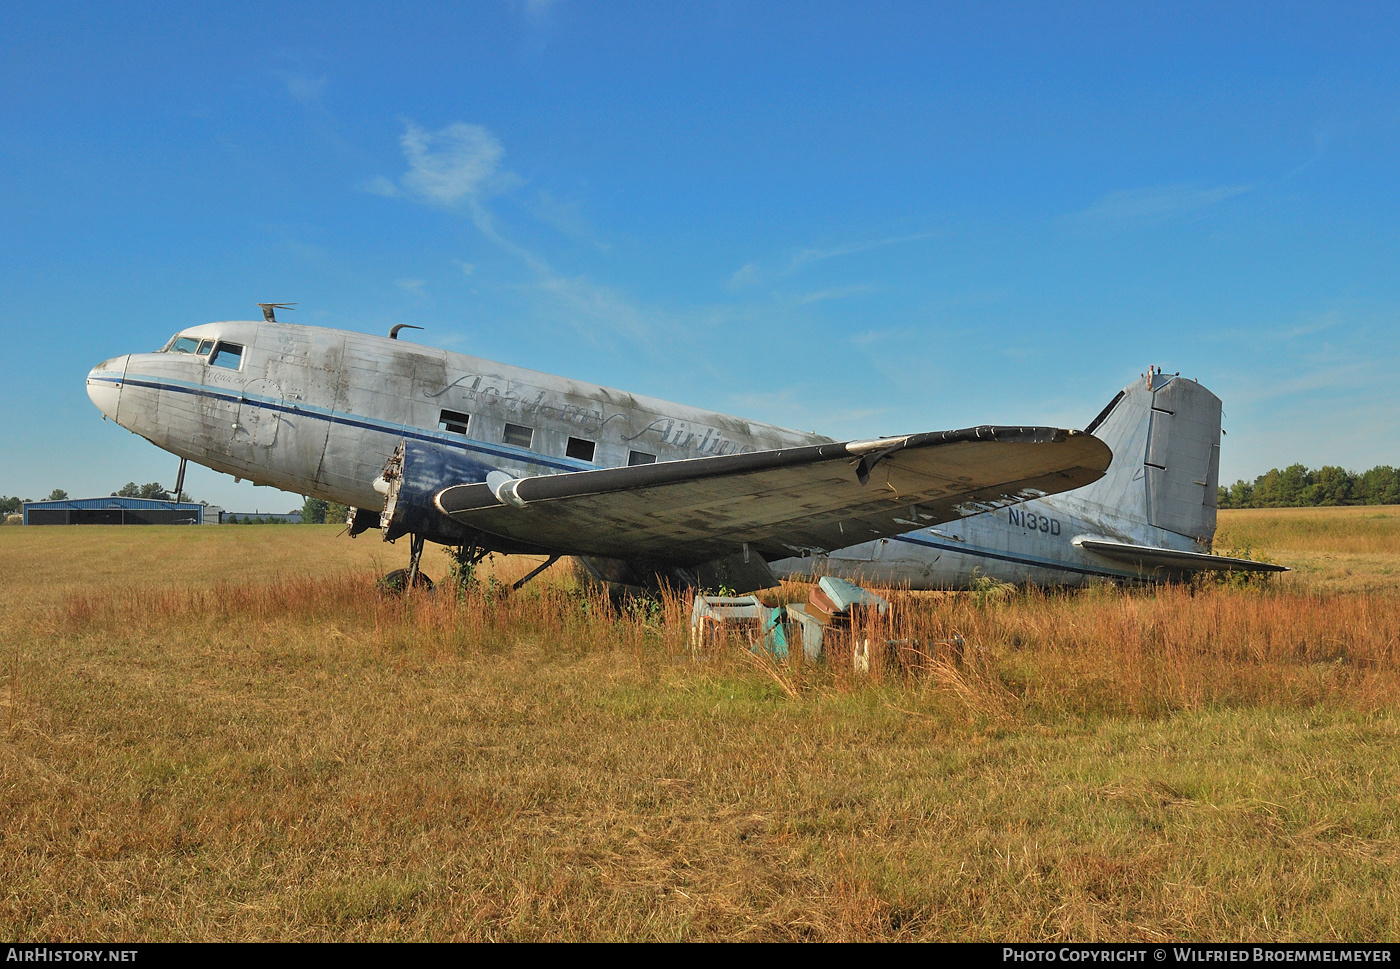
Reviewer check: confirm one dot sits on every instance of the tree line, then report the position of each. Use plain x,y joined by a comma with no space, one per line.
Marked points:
1298,486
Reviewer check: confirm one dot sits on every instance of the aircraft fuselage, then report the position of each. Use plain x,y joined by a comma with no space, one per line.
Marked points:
318,412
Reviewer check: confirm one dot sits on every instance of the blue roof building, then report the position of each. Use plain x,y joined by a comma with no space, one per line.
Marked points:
113,511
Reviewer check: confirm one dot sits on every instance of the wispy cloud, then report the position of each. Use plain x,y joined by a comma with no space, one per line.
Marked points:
379,185
565,216
1269,334
456,165
539,12
806,256
1157,202
835,292
802,409
752,274
306,90
414,286
458,168
591,304
746,275
869,338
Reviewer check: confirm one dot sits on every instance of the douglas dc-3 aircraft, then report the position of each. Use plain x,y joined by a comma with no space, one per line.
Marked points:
447,448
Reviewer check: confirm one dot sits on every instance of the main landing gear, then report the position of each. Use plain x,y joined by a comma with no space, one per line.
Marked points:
465,558
410,578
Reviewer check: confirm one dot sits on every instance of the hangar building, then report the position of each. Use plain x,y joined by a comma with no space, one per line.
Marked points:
115,511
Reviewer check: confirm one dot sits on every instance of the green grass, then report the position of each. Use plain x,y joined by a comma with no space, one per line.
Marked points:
267,749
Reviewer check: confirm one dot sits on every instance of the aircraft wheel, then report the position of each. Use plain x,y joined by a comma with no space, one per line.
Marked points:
394,582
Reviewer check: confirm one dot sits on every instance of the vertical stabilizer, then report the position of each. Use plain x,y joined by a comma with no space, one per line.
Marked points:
1164,432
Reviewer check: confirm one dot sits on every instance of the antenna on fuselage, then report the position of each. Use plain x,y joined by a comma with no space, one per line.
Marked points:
394,330
268,308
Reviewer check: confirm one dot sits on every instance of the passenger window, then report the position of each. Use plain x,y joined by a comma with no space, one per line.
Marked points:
185,344
228,355
518,435
635,458
580,449
204,347
451,420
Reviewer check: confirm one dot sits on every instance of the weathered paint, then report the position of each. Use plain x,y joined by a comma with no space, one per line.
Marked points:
1160,492
320,412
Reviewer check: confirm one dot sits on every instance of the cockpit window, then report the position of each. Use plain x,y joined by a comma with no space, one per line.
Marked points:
228,355
204,347
185,344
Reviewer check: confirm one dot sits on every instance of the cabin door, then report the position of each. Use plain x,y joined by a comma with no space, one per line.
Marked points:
259,413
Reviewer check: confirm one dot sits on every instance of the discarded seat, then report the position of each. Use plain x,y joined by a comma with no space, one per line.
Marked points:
762,625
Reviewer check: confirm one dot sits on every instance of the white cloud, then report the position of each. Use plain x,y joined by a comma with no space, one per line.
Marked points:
1157,202
806,256
836,292
752,273
414,286
803,409
460,163
746,275
587,301
306,90
382,186
458,168
565,216
539,13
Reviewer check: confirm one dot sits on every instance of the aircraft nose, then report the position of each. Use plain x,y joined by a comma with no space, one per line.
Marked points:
104,385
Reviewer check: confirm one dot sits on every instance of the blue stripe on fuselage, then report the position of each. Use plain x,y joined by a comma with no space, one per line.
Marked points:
353,420
1018,560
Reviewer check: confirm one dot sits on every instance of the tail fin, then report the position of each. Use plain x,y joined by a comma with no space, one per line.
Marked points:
1164,431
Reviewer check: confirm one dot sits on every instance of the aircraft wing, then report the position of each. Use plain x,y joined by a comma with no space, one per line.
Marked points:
1149,557
779,503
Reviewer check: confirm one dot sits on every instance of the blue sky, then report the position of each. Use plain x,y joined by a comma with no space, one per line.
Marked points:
859,219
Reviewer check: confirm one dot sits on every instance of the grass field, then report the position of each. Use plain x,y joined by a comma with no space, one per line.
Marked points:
227,733
1355,548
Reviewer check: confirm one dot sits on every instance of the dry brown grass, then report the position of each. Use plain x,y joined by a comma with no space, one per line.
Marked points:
271,749
1353,549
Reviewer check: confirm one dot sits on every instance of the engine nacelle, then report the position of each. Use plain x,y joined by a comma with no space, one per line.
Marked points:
411,478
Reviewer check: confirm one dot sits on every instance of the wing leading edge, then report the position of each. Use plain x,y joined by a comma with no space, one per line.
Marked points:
780,503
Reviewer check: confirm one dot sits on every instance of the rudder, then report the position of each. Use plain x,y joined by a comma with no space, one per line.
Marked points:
1164,432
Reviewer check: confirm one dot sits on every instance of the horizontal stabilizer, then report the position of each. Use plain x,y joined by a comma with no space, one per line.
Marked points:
1150,557
778,503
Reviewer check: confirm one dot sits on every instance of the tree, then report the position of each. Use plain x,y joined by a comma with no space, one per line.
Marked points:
129,490
1238,495
1379,486
336,513
1331,485
58,494
313,512
1282,489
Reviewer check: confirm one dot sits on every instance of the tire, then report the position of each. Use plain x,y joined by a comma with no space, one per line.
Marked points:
394,582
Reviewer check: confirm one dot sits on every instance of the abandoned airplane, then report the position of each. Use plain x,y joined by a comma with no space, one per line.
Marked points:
447,448
1151,516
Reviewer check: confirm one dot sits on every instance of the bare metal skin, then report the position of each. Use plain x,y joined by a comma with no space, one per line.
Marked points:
466,451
